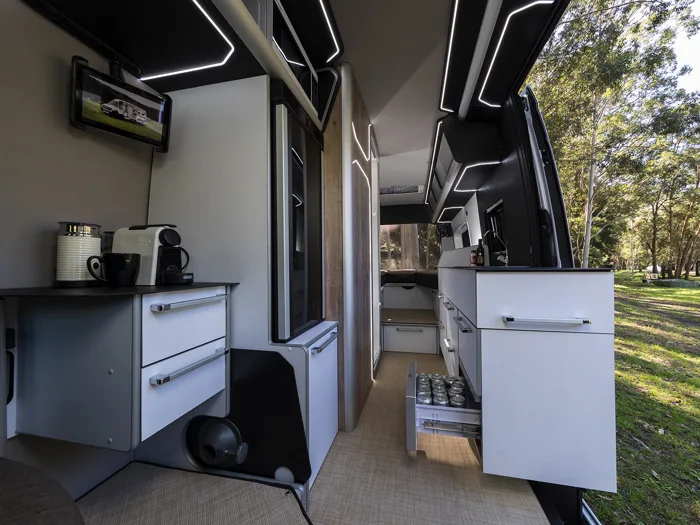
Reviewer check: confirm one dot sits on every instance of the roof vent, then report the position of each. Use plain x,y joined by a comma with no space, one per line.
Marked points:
400,190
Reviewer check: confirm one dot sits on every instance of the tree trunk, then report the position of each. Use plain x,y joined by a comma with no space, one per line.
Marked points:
632,247
654,237
591,187
409,246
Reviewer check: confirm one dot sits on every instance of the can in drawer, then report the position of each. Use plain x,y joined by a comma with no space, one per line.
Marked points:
424,389
441,400
449,380
437,377
424,399
423,381
456,390
423,375
460,383
458,401
438,389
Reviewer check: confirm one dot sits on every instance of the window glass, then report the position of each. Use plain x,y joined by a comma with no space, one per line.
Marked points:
409,246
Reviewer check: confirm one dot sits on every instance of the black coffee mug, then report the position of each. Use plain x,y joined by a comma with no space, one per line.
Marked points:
119,269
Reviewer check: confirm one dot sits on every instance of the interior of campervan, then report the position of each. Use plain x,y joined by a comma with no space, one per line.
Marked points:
291,261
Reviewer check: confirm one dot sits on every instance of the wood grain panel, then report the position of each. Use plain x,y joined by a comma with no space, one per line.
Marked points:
333,237
361,264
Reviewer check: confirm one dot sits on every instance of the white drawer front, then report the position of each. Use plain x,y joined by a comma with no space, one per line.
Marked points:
459,286
161,404
323,400
548,403
547,301
470,355
409,338
188,319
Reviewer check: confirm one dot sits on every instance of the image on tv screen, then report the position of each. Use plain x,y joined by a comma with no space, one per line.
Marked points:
108,104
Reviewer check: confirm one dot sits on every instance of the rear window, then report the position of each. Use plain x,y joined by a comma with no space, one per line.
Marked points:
409,246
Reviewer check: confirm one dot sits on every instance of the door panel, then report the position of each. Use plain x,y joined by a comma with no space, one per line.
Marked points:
548,404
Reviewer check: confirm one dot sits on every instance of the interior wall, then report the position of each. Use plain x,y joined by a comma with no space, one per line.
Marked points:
357,199
333,237
52,172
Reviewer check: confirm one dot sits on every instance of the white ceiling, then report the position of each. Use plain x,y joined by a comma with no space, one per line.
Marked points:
396,49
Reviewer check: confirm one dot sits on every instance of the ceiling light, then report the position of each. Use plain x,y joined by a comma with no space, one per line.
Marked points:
296,154
197,68
432,161
444,210
301,203
500,40
330,28
285,56
456,187
369,141
447,61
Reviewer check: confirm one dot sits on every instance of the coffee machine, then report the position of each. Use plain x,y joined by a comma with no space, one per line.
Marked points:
160,250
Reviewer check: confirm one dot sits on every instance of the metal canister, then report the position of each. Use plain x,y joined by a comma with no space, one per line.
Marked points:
426,376
424,398
460,383
458,401
424,389
456,390
439,389
437,377
441,400
423,381
449,380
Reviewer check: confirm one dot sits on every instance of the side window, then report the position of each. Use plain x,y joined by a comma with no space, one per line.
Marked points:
495,234
409,246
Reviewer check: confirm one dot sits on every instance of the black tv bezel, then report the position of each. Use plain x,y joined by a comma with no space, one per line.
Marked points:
79,65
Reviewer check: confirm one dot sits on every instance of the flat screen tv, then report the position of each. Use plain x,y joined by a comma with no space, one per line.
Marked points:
105,102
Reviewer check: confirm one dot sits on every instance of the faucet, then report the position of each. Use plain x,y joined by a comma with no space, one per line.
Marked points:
501,258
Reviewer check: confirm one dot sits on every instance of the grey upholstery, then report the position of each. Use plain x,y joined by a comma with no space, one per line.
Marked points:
30,497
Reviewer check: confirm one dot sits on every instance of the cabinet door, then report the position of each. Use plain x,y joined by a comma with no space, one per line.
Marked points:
548,405
323,400
470,354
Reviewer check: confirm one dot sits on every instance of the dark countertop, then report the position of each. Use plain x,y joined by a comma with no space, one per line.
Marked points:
528,269
103,291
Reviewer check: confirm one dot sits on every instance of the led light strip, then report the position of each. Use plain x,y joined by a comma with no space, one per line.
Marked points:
432,162
296,154
301,203
285,56
337,47
447,62
369,141
198,68
500,40
440,221
456,186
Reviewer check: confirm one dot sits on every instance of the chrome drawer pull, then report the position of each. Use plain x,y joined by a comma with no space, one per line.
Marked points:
409,329
448,305
458,428
161,379
465,329
449,347
440,295
186,304
545,320
318,349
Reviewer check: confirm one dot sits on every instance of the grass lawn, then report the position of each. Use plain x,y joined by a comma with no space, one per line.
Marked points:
657,371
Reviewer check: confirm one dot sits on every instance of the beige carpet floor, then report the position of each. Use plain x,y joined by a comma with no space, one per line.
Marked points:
143,494
370,478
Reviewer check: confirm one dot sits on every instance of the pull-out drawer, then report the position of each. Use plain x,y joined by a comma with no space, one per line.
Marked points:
410,338
173,322
546,301
171,388
433,419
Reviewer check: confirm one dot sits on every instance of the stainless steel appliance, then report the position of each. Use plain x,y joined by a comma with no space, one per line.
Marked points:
297,160
160,250
75,243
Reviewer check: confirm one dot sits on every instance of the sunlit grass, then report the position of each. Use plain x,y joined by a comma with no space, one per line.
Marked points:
657,347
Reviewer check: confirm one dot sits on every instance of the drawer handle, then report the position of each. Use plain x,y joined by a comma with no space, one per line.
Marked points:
161,379
440,295
318,349
464,328
449,347
409,329
186,304
545,320
448,305
458,428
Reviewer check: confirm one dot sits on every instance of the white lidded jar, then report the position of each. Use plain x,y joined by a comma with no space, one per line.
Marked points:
75,243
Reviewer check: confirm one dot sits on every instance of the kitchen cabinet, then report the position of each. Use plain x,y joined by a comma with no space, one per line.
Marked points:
110,367
537,349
